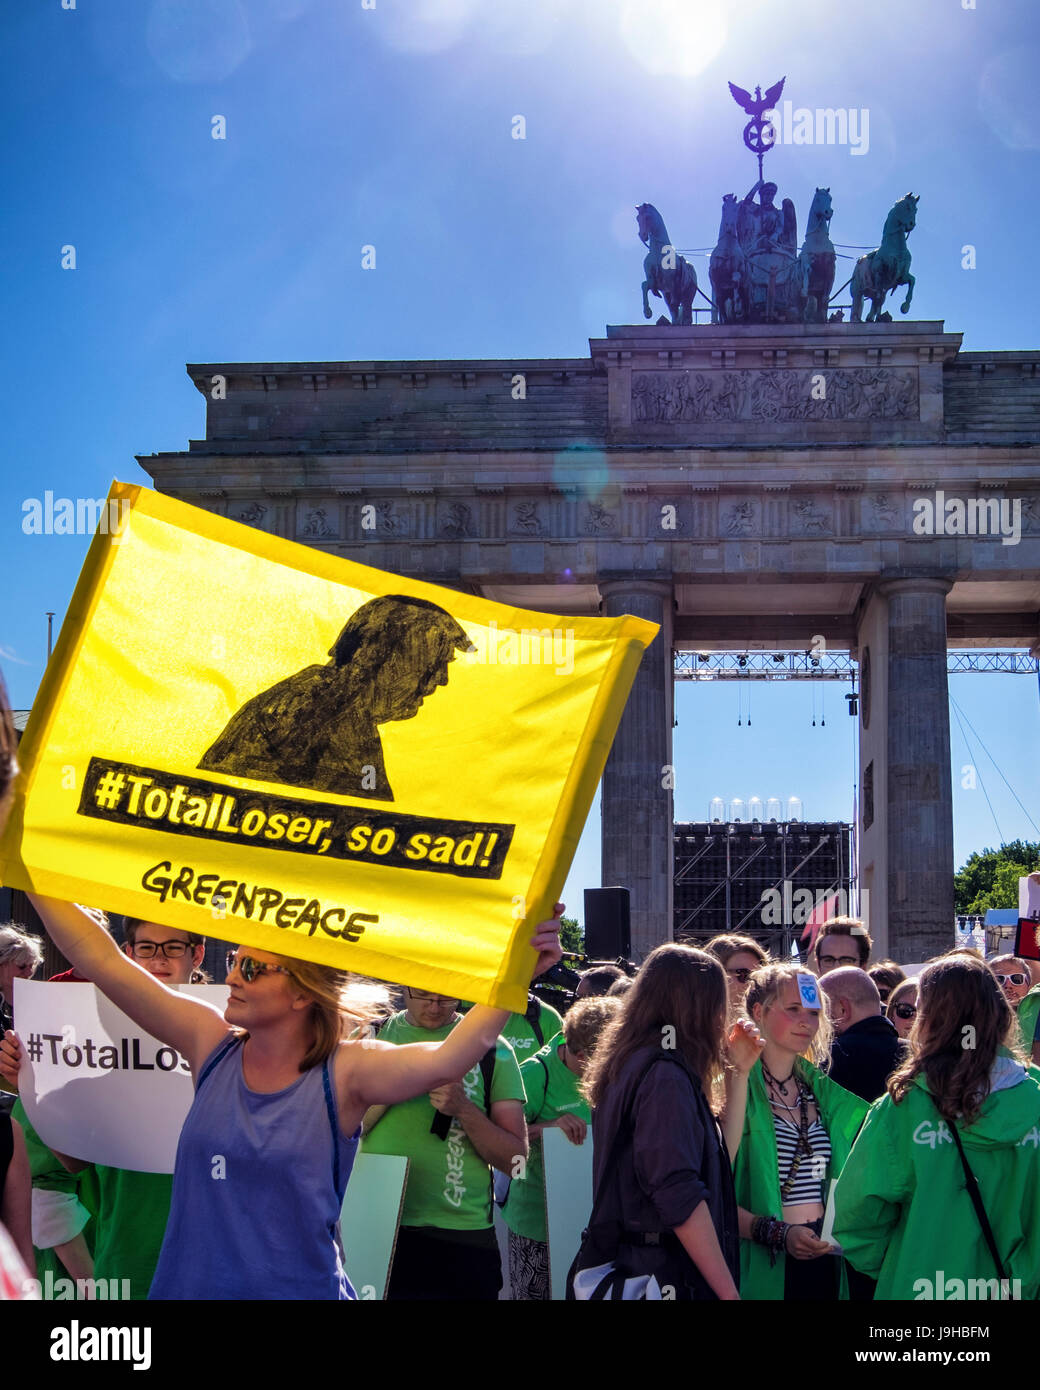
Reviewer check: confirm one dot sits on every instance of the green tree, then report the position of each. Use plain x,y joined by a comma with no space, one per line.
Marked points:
990,879
572,937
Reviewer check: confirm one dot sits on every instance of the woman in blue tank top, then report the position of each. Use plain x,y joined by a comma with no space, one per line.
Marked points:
280,1092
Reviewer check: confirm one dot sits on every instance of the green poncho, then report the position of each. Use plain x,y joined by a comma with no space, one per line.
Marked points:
756,1175
902,1211
1028,1009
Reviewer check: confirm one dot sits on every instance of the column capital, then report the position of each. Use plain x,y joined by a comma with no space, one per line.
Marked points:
656,586
915,584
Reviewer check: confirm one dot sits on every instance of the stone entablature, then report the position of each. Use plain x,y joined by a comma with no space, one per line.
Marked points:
783,386
473,471
684,510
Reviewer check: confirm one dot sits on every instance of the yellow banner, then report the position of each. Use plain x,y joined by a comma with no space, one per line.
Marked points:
255,740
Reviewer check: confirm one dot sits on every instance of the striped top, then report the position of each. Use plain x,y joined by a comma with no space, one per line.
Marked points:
809,1179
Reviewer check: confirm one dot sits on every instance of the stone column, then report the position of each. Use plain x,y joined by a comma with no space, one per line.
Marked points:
636,796
920,791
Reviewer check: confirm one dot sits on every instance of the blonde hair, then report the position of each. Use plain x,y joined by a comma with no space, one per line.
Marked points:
342,1005
764,988
901,991
1010,960
585,1020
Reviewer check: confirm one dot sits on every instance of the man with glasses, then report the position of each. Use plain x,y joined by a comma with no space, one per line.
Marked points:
446,1246
842,942
134,1207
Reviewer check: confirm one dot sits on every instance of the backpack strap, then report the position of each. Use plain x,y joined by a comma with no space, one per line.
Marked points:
441,1124
487,1072
534,1018
544,1066
980,1211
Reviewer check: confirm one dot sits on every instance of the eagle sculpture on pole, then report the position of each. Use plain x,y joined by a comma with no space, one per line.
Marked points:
755,137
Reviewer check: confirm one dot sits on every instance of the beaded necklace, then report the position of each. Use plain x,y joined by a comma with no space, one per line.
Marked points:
803,1149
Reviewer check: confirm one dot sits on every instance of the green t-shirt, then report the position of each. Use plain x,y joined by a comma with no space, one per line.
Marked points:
449,1184
131,1225
552,1090
522,1038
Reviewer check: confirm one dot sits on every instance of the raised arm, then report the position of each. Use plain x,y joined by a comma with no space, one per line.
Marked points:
192,1027
743,1049
382,1073
379,1073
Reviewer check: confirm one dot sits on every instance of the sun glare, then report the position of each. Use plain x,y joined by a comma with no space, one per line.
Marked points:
673,37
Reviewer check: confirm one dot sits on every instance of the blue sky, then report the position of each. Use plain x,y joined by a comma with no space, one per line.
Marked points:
392,126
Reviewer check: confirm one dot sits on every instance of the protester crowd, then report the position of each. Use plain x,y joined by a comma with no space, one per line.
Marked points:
760,1129
729,1107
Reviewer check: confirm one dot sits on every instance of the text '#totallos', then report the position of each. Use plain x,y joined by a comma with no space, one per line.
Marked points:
124,1054
153,800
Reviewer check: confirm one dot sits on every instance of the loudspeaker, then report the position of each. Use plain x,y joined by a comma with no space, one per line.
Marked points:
608,930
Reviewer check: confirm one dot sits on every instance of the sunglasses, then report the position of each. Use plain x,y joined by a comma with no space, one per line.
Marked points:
251,969
742,975
1016,979
905,1011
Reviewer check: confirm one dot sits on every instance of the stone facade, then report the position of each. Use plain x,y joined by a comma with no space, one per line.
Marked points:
746,487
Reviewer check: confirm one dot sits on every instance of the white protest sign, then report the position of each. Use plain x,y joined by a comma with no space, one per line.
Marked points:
96,1086
568,1200
369,1220
1029,897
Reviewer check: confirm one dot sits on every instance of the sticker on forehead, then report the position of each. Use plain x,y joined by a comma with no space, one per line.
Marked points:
808,990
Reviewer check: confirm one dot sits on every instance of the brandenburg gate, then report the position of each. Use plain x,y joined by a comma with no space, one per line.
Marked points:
687,475
775,477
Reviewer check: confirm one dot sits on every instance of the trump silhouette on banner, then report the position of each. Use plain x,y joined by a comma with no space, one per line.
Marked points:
319,728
